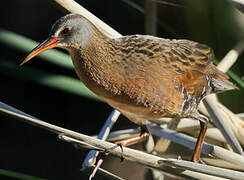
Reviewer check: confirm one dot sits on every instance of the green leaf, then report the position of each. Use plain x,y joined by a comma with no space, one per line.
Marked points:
24,44
57,81
236,78
232,75
16,175
134,5
169,3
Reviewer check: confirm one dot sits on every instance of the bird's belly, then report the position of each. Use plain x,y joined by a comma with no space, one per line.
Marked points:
138,114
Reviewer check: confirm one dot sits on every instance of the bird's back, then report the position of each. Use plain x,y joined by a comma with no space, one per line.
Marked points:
164,74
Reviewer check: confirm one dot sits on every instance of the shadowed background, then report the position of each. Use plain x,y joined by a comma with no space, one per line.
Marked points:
36,152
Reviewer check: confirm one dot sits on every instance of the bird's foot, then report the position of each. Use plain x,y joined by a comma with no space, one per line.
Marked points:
122,150
198,161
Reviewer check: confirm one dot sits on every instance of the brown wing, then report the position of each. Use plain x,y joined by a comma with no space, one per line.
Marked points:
148,79
155,88
157,70
193,63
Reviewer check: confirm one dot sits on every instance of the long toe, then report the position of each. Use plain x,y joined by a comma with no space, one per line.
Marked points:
199,161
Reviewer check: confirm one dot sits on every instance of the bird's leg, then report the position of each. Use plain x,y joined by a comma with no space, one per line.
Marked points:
198,148
134,140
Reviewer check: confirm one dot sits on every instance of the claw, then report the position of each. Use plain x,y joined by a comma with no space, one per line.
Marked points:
122,159
121,147
199,161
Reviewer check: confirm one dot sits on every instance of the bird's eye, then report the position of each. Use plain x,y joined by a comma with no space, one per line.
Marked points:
65,31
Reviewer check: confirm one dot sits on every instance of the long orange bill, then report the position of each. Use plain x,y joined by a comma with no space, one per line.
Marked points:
47,44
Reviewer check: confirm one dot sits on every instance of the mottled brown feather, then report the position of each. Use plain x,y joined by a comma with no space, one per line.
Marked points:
147,72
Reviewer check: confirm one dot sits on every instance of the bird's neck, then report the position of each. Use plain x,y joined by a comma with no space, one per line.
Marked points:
95,67
97,53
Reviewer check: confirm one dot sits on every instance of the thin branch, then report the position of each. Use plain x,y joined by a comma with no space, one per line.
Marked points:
239,4
231,57
163,143
212,133
129,154
190,142
233,120
236,123
222,123
203,168
103,134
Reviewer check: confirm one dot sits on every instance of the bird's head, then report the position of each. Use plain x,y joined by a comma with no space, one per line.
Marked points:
70,31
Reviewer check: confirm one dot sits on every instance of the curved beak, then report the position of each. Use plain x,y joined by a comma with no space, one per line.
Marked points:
47,44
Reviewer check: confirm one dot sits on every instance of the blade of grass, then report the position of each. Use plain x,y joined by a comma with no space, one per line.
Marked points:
16,175
236,78
169,3
57,81
24,44
134,5
232,75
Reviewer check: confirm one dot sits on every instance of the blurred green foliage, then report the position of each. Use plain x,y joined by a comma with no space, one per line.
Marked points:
16,175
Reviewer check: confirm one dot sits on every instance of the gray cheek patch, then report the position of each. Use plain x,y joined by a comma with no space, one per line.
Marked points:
81,30
83,33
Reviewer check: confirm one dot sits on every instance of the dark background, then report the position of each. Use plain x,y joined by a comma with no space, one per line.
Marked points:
36,152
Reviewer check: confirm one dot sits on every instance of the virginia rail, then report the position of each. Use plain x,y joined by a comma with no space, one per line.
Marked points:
144,77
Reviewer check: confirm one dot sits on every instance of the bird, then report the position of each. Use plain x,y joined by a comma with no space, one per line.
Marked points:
144,77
